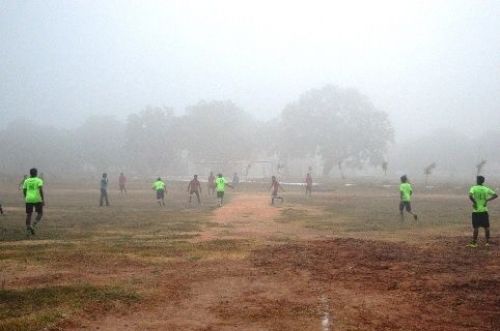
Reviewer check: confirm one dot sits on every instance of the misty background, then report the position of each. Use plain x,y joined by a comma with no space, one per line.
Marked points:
144,86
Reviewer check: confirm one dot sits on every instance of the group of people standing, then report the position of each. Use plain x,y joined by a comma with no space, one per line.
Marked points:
32,187
159,186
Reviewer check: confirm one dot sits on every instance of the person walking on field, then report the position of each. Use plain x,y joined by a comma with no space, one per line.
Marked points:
406,192
236,179
220,186
122,180
104,190
309,184
33,196
159,186
194,187
211,183
480,195
275,187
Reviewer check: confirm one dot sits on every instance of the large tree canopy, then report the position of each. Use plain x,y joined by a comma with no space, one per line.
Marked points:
152,140
341,125
218,131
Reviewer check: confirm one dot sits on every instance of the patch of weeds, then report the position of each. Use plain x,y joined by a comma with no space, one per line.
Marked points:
37,308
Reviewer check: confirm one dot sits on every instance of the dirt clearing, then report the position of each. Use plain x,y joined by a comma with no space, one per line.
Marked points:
320,264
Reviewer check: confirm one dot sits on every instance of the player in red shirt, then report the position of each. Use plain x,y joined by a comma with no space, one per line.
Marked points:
275,187
122,180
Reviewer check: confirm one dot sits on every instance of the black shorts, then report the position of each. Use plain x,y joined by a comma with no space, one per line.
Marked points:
160,194
405,205
37,206
220,194
480,220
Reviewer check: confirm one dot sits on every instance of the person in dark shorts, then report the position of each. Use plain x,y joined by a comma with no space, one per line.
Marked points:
480,195
33,196
406,193
275,187
104,190
220,186
159,186
194,187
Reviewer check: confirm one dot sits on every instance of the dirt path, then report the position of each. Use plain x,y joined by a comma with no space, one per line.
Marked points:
185,292
252,217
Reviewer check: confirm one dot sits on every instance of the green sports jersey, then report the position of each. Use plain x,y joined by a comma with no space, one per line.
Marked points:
220,184
481,194
159,185
406,191
32,186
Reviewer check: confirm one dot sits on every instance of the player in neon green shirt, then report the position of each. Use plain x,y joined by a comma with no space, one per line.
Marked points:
406,192
159,186
220,186
33,196
480,195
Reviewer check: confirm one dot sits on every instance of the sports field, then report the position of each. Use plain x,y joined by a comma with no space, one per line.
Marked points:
339,261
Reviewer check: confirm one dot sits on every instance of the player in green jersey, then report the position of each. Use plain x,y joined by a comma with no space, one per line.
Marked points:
220,186
406,192
33,196
159,186
480,195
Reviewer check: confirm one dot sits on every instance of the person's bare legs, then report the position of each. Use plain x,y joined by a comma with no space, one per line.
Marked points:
475,234
29,228
38,218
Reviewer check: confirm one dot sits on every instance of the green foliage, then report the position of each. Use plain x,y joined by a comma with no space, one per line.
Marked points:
341,125
152,140
219,130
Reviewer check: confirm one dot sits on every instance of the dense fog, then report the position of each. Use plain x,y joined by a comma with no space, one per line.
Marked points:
342,89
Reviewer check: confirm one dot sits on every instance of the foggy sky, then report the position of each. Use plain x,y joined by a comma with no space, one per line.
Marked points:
429,64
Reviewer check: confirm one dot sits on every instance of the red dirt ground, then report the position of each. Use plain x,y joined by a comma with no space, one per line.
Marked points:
315,284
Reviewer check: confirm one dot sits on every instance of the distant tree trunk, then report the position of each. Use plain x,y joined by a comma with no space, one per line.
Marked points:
327,167
329,164
339,165
385,166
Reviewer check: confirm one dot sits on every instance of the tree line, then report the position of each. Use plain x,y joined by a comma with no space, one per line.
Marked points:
338,124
